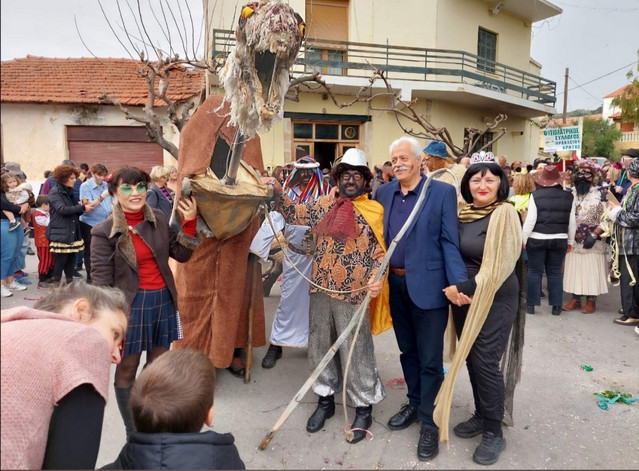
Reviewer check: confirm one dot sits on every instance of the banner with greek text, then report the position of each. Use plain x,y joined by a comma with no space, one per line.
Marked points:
562,139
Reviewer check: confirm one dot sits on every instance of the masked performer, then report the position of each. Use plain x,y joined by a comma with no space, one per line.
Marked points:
215,286
586,269
290,326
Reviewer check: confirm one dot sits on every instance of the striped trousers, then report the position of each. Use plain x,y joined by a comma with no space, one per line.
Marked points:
45,261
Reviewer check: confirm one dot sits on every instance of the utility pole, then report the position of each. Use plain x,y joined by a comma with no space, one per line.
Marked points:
565,95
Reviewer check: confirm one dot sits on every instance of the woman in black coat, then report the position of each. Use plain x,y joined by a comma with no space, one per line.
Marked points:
159,195
63,232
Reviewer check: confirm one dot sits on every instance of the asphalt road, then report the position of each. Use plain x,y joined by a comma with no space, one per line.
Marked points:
558,424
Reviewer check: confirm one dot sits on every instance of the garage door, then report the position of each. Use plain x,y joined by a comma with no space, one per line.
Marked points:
113,146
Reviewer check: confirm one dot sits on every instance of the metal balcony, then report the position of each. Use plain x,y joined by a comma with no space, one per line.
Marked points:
417,65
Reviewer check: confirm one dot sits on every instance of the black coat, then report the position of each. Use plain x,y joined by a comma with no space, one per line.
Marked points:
65,216
157,200
206,450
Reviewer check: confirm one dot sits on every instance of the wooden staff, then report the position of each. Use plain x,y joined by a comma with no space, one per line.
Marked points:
358,314
249,351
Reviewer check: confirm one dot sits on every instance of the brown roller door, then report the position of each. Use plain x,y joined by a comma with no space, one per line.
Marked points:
114,146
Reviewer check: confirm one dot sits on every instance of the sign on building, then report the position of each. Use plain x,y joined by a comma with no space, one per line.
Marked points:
562,139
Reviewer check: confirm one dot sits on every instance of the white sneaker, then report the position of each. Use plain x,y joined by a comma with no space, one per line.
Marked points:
637,329
6,292
15,286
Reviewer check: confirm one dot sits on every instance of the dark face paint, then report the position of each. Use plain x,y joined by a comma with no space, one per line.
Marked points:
351,188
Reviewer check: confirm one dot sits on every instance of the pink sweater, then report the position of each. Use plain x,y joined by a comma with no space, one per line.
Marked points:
44,356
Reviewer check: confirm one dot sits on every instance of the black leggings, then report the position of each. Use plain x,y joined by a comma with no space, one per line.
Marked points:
64,262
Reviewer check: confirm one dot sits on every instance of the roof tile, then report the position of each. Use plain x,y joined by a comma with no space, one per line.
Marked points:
83,80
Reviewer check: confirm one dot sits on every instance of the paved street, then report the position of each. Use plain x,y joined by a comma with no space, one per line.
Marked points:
557,422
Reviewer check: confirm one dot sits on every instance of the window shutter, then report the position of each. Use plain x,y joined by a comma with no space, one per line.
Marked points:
327,19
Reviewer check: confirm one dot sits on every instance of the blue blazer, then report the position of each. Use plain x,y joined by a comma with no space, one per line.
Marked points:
433,260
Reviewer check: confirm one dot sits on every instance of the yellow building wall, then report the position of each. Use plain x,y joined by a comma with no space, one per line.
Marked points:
457,27
441,24
34,135
519,142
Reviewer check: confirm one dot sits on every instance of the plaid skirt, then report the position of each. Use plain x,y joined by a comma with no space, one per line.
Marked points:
153,321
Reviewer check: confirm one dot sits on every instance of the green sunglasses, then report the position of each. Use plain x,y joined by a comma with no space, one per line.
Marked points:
125,189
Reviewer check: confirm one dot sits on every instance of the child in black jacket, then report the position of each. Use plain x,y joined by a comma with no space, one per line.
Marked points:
170,401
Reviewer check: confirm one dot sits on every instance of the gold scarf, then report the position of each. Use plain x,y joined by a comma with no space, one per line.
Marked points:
470,213
373,214
501,252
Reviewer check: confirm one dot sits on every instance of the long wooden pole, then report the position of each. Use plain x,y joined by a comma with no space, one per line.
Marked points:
249,350
356,318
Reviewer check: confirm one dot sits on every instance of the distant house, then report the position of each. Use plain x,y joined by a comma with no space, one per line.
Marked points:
51,111
629,131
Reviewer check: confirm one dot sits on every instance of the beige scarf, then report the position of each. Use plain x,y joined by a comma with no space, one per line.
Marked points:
501,252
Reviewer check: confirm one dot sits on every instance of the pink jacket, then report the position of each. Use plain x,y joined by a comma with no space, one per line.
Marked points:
44,356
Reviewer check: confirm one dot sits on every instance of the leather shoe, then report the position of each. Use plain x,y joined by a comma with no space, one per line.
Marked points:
237,367
471,428
556,310
590,307
572,305
428,445
405,417
530,309
325,410
273,354
488,450
361,424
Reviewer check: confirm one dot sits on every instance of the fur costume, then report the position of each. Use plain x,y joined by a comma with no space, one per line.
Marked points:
256,73
214,289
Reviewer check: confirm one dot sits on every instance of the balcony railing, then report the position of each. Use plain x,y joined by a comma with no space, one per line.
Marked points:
351,59
632,136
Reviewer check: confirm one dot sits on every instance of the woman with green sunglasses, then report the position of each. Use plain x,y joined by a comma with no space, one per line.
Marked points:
131,251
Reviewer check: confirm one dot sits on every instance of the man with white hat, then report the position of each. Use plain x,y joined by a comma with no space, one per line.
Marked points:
349,249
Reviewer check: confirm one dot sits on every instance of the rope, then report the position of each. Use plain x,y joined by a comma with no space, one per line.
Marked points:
315,285
357,318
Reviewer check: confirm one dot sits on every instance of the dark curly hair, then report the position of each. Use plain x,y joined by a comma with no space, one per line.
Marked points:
62,173
482,168
130,175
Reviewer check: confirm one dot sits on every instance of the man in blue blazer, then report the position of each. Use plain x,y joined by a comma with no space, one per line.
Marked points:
425,261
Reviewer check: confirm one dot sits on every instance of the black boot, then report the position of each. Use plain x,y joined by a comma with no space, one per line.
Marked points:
122,396
273,354
325,410
363,420
488,451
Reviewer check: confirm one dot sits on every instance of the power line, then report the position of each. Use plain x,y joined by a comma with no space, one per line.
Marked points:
584,90
600,77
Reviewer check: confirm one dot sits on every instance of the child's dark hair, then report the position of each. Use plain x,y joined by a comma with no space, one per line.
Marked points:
42,199
130,175
174,393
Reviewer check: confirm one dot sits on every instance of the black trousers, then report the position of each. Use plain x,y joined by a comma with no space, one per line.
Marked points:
420,337
64,262
85,230
629,294
484,359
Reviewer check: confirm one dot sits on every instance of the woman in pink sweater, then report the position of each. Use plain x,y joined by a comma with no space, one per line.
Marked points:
55,362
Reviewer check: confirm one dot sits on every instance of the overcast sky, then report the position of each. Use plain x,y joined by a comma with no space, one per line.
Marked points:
592,38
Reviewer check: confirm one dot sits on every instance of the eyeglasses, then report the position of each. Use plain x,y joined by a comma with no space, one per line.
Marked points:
346,176
125,189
